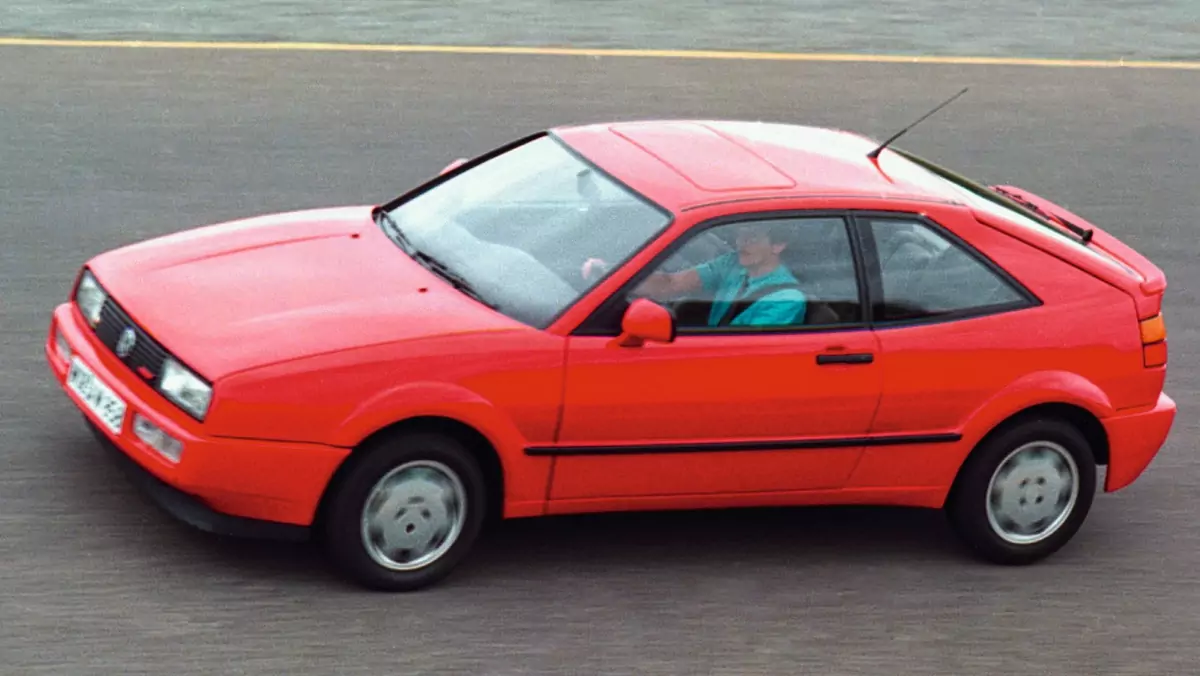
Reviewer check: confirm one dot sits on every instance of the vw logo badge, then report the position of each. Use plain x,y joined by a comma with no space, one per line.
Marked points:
125,342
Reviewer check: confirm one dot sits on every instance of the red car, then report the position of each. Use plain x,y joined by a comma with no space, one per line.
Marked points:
636,316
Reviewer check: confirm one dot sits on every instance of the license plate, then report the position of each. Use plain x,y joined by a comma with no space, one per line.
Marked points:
98,398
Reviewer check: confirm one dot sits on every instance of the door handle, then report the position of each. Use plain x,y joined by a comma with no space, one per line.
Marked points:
850,358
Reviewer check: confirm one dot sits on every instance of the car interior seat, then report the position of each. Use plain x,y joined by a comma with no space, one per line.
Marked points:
818,255
818,313
905,259
952,279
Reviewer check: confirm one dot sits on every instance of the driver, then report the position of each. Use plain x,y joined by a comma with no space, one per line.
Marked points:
750,287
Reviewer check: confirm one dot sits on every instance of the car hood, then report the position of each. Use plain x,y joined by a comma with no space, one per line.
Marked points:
247,293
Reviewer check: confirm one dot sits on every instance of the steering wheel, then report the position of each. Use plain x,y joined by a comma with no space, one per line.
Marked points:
593,268
704,247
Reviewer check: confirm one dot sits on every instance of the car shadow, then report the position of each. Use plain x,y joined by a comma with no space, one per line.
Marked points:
560,548
568,546
719,537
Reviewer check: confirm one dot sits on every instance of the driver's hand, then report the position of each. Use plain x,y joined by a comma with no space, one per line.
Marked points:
593,268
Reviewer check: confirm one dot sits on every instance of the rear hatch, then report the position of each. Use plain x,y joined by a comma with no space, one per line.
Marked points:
1072,238
1145,281
1105,256
1052,228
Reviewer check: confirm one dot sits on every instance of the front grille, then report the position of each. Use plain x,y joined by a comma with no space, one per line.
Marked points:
146,357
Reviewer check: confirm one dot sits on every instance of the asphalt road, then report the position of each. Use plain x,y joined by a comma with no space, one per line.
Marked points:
1131,29
99,148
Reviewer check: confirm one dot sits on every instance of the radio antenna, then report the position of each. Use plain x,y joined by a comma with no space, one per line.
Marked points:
875,153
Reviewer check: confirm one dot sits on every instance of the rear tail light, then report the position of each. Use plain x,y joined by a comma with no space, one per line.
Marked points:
1154,341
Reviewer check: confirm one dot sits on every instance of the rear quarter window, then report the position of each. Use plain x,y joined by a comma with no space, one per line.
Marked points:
927,275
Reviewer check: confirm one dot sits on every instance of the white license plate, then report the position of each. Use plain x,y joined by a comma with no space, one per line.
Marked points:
98,398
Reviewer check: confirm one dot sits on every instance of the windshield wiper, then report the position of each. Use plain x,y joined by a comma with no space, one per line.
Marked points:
1085,234
392,229
456,280
432,263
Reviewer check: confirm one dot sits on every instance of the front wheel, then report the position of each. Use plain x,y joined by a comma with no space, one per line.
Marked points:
406,512
1025,492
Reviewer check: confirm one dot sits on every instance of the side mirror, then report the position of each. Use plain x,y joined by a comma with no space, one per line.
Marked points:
452,166
646,320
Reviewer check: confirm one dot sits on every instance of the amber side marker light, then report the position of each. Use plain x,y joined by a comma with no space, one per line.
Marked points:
1154,341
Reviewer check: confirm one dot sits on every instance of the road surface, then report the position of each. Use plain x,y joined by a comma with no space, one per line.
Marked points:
105,147
1130,29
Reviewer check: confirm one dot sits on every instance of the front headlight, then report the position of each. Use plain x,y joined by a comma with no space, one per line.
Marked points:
185,388
90,297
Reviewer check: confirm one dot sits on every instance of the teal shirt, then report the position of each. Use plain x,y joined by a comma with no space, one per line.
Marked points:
723,276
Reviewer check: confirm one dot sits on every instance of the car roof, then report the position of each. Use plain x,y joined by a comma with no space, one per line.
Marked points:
685,163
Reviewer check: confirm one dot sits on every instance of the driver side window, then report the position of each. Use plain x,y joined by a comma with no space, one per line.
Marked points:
768,274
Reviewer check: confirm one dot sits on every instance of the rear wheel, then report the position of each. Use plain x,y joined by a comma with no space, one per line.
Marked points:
1024,492
406,512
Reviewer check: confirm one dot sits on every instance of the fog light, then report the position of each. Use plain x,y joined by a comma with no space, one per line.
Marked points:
62,346
155,438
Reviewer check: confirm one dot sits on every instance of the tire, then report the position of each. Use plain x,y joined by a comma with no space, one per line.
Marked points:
983,529
405,457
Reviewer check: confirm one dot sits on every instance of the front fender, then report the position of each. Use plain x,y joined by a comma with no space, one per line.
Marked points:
525,477
416,399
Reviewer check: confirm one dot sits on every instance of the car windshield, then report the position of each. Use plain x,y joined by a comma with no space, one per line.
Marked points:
518,228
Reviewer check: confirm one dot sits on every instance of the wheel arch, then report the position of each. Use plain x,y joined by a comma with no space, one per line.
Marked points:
1077,416
1060,394
1085,421
476,442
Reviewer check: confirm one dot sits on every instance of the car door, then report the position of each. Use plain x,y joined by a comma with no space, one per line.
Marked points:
738,408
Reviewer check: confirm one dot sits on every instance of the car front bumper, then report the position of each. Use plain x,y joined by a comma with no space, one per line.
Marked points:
238,487
1134,439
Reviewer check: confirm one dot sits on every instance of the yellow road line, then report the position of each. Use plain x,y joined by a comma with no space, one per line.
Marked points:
602,52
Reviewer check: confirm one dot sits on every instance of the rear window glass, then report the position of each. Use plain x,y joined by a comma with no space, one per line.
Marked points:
987,200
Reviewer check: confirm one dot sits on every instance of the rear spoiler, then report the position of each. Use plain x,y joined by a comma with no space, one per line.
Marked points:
1152,282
